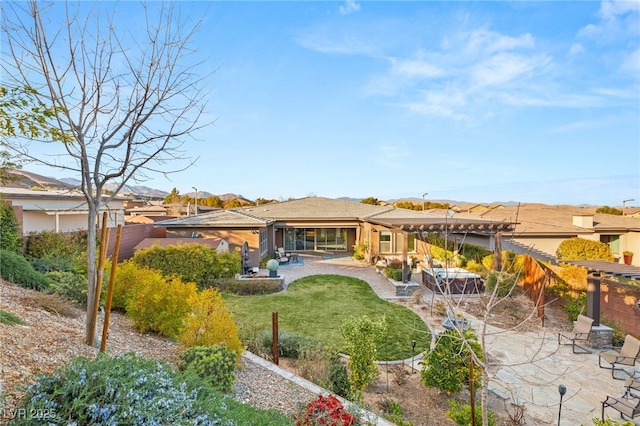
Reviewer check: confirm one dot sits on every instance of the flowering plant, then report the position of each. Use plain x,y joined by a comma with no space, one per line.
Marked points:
326,411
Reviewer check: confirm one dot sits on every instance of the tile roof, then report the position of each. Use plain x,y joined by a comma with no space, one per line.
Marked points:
221,218
546,219
313,208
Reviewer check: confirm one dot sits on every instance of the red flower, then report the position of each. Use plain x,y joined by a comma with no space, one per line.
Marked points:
326,411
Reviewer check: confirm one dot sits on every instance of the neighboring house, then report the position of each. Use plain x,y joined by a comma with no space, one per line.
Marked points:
56,210
540,229
147,210
325,225
217,244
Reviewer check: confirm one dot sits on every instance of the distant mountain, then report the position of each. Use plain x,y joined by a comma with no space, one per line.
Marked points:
30,180
135,190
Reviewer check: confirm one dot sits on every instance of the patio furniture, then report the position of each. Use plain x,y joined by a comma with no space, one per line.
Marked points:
281,258
629,407
281,251
580,332
632,387
618,358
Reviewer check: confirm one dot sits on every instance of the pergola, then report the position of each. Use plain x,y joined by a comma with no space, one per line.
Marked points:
444,225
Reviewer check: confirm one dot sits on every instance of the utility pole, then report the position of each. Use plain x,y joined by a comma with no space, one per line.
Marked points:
624,204
196,189
424,195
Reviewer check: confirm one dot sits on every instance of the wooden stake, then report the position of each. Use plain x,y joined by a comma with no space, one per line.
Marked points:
107,308
274,347
96,302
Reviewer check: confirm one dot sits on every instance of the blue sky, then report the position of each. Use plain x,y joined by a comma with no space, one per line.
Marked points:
468,101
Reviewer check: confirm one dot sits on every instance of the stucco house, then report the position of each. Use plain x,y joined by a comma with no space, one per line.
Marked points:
539,229
326,225
56,210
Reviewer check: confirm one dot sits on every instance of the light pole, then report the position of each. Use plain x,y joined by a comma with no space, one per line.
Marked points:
196,189
562,389
413,353
424,195
624,204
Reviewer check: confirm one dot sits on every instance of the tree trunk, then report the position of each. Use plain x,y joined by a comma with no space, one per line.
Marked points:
91,270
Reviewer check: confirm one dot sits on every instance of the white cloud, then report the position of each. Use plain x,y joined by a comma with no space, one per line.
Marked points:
483,41
504,68
576,49
350,6
415,68
616,19
631,64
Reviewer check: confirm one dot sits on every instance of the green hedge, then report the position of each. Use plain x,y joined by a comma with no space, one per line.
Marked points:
18,271
246,287
582,249
192,262
10,238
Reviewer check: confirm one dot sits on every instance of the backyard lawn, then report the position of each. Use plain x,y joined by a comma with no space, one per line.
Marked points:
318,304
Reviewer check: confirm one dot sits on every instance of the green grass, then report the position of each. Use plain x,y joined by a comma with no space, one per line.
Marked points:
9,318
318,304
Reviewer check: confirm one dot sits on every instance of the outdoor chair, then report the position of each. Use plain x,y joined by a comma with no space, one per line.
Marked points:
281,251
580,332
618,358
281,258
632,388
626,406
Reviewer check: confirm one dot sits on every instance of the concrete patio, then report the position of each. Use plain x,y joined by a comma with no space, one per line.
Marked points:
532,364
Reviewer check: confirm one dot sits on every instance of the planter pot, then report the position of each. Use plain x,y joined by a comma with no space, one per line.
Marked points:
627,259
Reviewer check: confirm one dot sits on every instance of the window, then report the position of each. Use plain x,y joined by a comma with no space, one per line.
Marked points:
263,241
385,242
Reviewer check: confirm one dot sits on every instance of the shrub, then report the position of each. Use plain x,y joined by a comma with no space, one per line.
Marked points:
338,382
361,338
394,271
129,389
291,345
446,366
246,287
325,410
474,253
192,262
208,322
213,363
394,412
55,251
9,318
461,414
128,277
574,276
71,286
10,238
505,282
582,249
18,271
575,305
161,306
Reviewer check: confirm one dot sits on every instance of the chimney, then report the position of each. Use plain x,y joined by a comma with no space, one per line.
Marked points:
583,221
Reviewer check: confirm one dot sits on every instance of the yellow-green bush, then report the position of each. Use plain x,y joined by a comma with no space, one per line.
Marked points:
128,276
574,276
582,249
209,322
161,305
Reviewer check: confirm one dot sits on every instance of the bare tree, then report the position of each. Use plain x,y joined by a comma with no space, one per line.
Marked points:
507,276
128,97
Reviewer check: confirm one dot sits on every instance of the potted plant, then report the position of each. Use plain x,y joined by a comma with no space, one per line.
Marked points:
628,256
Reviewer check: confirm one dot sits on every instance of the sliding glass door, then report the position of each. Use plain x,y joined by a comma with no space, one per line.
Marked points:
315,239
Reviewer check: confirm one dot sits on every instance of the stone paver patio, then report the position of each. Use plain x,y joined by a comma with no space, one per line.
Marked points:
532,383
